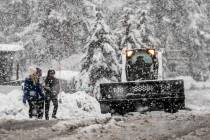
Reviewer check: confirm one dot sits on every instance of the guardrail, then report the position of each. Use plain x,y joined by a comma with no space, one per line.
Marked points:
13,83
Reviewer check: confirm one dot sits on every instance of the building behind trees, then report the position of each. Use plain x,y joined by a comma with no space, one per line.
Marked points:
10,64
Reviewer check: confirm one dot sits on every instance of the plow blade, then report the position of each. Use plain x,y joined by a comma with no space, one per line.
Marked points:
123,97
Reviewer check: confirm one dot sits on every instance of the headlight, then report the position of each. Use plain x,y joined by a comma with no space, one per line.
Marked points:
129,53
151,51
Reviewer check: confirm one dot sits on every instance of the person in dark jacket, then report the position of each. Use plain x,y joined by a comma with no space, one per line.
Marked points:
52,89
33,93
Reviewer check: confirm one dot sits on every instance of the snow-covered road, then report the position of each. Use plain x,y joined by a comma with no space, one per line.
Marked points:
151,126
184,125
158,125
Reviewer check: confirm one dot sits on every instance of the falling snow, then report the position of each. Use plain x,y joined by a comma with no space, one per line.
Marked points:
86,43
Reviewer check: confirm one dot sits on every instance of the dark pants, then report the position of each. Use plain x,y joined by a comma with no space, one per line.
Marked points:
47,106
36,108
40,104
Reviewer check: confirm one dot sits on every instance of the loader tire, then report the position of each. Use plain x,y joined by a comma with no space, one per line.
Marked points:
117,108
170,106
181,104
105,108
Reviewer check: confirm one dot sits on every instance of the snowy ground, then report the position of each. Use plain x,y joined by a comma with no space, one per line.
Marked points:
72,105
157,125
81,119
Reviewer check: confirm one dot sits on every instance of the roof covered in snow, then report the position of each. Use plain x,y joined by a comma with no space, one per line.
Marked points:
11,47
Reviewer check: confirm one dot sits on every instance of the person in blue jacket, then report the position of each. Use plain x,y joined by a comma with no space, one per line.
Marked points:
33,93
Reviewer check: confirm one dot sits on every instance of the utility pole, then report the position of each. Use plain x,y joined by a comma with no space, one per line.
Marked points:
17,71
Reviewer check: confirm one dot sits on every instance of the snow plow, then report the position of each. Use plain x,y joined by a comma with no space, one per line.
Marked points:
142,85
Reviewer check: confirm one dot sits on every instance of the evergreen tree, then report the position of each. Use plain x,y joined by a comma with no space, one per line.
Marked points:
100,63
182,26
135,30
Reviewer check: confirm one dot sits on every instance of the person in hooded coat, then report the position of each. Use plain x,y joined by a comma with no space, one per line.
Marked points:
52,89
33,93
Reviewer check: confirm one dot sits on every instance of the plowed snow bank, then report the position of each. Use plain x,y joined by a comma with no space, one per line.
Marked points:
73,105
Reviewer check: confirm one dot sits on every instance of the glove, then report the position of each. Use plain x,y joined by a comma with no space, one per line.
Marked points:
24,101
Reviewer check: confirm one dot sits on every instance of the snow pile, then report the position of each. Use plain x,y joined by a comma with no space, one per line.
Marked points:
11,105
198,100
73,105
190,83
78,104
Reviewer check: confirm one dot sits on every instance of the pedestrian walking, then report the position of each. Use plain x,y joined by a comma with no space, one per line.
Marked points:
33,93
52,89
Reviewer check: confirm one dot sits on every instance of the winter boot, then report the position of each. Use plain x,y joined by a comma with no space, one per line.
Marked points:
54,117
47,117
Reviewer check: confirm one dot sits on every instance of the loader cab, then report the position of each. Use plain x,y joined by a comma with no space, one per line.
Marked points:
141,64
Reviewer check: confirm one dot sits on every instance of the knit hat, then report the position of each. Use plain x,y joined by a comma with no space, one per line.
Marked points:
51,71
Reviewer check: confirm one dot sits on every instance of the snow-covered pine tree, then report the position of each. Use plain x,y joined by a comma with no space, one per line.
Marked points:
135,30
198,34
124,31
100,62
182,26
